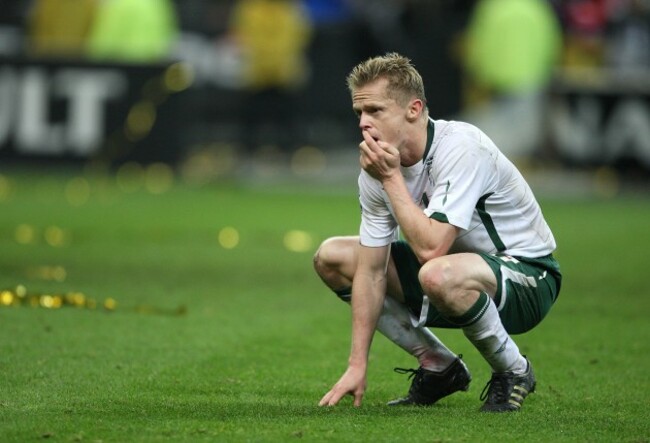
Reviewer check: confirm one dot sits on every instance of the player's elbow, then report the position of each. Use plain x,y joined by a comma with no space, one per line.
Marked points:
437,245
426,254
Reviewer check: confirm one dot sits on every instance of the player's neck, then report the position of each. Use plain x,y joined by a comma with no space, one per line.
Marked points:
414,149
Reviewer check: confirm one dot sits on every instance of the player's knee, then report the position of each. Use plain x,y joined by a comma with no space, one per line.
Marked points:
327,263
335,262
435,279
320,258
325,259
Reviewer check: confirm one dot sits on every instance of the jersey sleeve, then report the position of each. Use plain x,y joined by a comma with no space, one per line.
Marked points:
378,226
461,179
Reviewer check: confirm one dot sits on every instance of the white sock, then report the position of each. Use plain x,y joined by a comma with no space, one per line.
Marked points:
395,324
483,327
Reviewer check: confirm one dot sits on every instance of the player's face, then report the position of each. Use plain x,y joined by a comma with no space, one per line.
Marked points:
381,116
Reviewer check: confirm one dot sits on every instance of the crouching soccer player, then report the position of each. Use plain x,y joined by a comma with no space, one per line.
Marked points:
476,252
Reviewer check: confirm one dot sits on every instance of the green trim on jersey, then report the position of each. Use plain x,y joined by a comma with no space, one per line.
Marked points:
431,129
486,218
489,224
444,200
439,216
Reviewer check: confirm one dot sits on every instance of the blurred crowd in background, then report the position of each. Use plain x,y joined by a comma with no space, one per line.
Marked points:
272,72
613,33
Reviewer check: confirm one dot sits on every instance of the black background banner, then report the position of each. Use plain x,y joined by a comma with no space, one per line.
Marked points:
53,109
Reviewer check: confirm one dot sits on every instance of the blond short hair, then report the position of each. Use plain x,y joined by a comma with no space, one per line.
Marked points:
404,81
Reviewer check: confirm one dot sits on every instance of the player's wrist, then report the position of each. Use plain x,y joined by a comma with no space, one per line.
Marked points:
393,180
358,363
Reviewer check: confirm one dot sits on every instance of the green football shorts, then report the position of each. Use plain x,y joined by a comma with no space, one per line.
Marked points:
526,288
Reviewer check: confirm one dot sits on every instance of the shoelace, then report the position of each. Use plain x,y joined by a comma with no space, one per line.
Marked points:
495,386
412,372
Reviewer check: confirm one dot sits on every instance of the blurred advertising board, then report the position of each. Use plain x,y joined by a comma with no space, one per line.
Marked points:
60,110
601,118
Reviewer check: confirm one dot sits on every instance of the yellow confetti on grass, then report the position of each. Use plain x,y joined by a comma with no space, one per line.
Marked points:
19,297
298,241
229,237
52,273
7,298
158,178
55,236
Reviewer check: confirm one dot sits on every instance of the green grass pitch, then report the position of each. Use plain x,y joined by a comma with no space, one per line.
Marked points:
218,329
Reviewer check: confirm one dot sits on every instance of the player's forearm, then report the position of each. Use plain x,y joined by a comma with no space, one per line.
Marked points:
415,225
367,300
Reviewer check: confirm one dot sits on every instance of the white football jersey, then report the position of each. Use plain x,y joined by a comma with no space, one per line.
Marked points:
466,181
